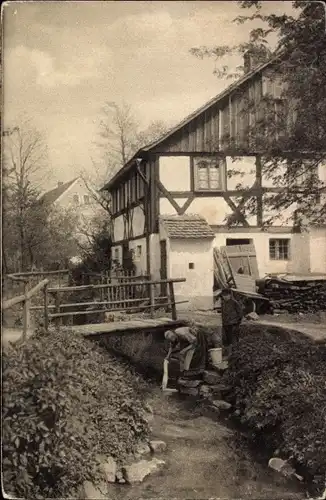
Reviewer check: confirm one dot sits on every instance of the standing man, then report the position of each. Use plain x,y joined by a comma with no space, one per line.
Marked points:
232,314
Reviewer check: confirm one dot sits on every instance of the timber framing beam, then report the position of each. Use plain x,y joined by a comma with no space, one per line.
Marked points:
237,210
254,191
168,195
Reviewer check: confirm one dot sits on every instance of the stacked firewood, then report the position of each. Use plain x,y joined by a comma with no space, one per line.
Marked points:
297,297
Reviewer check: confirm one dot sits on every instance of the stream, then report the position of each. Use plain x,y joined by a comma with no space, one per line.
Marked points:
203,459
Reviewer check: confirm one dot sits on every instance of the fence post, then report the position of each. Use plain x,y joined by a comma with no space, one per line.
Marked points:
57,308
26,313
151,299
46,307
172,301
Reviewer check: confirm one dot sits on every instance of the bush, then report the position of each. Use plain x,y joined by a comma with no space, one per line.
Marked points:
65,401
279,388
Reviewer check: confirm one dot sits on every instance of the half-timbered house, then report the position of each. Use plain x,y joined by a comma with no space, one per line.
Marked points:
184,194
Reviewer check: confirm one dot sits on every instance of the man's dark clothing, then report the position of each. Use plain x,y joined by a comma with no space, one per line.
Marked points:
230,334
232,314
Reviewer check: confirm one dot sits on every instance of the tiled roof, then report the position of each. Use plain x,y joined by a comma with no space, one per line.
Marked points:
186,226
51,196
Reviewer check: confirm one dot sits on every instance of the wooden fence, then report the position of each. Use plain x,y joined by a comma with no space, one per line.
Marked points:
110,303
25,299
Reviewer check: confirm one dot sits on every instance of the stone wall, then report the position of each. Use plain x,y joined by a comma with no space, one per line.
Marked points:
144,349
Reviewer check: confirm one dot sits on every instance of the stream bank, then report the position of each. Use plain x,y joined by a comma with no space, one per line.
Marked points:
203,459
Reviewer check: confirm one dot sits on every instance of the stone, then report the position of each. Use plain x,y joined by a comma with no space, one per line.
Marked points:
221,367
252,316
137,472
189,391
211,377
109,469
143,449
283,467
205,391
222,405
157,446
94,492
120,478
188,383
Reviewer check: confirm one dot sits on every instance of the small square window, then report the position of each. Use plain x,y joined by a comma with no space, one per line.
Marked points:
191,265
279,249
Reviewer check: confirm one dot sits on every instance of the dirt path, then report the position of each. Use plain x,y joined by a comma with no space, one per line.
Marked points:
202,461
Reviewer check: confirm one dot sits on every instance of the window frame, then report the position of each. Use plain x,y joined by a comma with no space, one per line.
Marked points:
76,200
221,161
86,196
277,256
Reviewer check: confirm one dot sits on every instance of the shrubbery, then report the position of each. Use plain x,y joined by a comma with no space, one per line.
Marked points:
65,401
279,389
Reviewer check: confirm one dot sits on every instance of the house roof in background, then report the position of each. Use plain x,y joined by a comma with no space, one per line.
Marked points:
187,227
52,196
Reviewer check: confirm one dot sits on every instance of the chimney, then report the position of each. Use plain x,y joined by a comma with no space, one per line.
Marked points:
253,58
60,184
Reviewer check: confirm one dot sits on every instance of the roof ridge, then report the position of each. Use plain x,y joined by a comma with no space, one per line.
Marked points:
53,194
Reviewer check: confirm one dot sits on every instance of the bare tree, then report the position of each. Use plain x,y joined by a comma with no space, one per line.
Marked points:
120,137
24,162
31,229
117,135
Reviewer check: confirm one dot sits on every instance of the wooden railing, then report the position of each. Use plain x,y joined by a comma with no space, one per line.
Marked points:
126,304
25,298
29,274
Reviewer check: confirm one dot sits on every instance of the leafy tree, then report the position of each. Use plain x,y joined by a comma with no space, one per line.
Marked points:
282,132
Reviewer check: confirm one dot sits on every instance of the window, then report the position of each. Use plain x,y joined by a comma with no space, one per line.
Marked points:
273,86
116,254
75,199
208,173
86,199
279,249
139,251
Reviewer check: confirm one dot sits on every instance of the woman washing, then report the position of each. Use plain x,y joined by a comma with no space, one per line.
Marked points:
191,346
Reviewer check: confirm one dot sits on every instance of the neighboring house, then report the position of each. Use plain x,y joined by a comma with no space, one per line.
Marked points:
74,196
172,200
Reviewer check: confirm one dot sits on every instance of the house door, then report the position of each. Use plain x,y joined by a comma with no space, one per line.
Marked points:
163,267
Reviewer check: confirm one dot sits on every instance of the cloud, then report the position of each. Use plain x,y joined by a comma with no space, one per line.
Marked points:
44,70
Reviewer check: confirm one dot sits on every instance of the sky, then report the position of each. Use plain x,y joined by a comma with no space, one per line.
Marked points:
63,60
